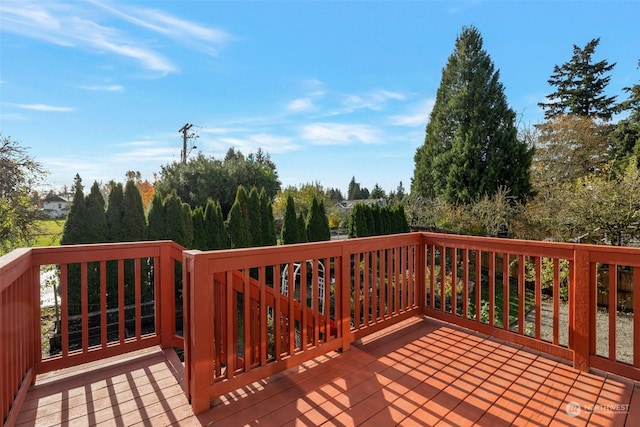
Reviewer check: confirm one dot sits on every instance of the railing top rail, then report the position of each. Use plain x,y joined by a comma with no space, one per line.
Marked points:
494,244
231,259
13,265
101,251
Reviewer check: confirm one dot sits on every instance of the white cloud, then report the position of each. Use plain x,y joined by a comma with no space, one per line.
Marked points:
301,105
77,25
375,100
340,134
44,107
250,143
418,115
202,37
105,88
220,130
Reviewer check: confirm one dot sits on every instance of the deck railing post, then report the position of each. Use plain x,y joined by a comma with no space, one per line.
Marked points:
199,331
165,277
344,283
580,305
421,274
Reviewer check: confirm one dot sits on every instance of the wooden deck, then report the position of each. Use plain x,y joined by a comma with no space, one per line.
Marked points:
415,373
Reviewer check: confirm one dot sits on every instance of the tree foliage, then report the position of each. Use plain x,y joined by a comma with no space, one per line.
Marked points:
580,85
134,223
239,221
568,147
625,139
204,177
77,217
290,232
355,192
267,220
216,234
606,210
115,213
19,175
157,219
373,220
317,226
471,146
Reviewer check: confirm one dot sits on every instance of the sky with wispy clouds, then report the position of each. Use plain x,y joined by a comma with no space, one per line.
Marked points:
331,89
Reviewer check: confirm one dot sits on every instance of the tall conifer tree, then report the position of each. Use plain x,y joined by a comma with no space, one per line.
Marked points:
157,219
471,146
580,85
290,233
115,212
134,224
96,223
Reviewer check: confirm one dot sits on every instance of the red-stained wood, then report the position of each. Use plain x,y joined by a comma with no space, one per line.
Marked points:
398,258
556,300
613,309
580,304
636,317
505,291
538,296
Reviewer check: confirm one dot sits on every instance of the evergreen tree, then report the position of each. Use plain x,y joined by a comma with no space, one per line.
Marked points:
255,218
175,228
471,145
290,232
96,222
268,222
400,192
188,225
377,192
378,225
358,225
317,223
403,224
115,213
625,139
157,219
199,233
134,224
580,85
238,222
76,219
353,190
302,229
216,233
371,226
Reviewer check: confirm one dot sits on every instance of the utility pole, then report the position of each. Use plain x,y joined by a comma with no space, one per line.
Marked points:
185,135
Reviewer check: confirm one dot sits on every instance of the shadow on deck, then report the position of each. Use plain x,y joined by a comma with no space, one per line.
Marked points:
419,372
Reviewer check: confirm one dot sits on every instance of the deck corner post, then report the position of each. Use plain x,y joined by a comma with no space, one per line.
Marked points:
580,305
198,331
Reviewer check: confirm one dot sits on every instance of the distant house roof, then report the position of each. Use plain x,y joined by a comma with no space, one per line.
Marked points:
54,198
349,204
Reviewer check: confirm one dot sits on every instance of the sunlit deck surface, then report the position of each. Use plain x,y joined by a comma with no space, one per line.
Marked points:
418,372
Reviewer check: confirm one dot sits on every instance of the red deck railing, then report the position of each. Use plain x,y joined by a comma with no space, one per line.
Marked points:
250,313
114,298
260,311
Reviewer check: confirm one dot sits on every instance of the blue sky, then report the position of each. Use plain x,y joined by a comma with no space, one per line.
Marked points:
330,89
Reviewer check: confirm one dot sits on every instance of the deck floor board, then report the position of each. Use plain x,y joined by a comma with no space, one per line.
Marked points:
415,373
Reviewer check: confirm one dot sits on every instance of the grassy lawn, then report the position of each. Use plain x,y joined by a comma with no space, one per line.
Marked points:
50,232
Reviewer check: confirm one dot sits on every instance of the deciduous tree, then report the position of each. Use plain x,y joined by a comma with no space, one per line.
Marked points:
19,175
